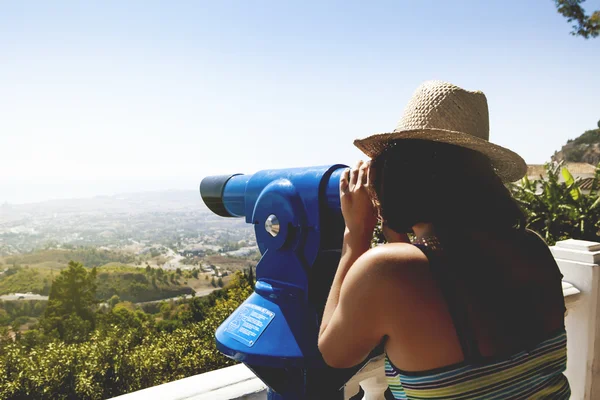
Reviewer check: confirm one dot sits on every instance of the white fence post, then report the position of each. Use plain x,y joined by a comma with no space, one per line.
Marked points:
374,387
578,261
371,378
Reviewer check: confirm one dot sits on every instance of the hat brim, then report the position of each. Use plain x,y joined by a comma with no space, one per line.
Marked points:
509,165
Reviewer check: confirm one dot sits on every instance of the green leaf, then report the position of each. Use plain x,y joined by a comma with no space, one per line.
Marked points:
570,181
566,207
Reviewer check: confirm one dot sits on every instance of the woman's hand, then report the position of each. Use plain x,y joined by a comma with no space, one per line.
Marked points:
357,205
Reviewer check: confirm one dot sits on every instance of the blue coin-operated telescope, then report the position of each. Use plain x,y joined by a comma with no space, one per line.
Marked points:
299,230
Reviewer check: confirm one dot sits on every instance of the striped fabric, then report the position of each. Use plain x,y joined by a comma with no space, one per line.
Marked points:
534,374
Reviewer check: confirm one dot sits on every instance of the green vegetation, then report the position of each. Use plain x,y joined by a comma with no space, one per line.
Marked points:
110,351
139,284
585,148
90,257
560,210
18,279
129,283
587,26
11,311
69,315
588,137
35,271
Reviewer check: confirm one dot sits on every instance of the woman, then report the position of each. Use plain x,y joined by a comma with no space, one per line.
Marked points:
473,308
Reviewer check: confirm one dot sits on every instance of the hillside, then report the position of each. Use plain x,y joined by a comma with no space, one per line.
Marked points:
90,257
35,271
139,285
17,279
585,148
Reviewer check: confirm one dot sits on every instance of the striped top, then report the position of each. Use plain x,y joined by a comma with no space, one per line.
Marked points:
534,374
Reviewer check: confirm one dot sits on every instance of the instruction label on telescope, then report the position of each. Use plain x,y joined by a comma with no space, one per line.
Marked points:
248,323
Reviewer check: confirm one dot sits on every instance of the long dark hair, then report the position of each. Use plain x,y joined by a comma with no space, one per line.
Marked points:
425,181
479,226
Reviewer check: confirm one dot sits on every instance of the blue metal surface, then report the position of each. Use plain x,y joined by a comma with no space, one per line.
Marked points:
233,195
332,191
275,331
297,197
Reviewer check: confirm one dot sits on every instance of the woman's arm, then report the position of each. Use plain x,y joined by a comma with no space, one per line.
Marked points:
355,326
353,247
360,218
339,347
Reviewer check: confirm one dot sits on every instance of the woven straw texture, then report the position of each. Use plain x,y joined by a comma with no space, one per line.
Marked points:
443,112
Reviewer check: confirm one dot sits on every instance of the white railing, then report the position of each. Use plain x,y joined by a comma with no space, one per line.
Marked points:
578,261
236,382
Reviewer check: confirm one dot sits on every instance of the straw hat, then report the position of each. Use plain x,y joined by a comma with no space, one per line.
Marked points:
443,112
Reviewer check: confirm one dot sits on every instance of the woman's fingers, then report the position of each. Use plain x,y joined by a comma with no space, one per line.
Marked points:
355,178
344,181
363,174
356,202
354,175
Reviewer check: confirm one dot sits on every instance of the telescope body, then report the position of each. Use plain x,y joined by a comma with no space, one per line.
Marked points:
299,231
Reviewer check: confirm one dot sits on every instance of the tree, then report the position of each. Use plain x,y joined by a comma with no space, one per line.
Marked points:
251,277
585,25
113,301
220,282
4,317
69,313
18,322
165,309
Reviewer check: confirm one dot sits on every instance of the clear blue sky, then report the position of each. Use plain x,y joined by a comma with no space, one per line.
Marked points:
99,97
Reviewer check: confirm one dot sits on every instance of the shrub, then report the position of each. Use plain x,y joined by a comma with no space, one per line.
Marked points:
560,210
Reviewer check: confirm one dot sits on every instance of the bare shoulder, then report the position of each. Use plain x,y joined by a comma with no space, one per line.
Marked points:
394,261
399,273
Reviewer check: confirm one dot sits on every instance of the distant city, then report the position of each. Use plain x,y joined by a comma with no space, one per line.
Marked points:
170,222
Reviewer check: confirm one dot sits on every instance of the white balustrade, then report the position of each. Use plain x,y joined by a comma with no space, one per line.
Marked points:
578,261
231,383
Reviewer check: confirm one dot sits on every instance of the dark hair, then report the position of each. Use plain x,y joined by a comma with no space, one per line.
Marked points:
447,185
502,276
